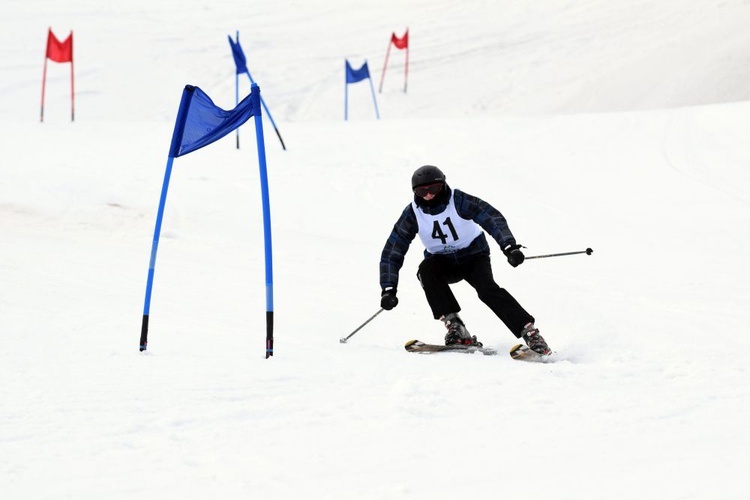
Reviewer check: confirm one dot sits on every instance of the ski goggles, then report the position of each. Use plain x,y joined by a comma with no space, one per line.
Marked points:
432,189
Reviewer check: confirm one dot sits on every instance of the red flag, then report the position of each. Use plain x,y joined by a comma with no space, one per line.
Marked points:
401,43
59,51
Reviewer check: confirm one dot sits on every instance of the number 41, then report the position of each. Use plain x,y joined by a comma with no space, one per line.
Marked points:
438,234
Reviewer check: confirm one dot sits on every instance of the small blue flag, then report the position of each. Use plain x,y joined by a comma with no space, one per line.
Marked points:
200,122
356,75
239,55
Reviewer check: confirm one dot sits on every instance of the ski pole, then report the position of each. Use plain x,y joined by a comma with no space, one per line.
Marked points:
588,251
344,339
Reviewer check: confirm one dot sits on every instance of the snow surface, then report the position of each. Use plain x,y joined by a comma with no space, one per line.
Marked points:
619,125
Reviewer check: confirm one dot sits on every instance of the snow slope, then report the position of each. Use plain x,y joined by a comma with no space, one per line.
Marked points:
617,125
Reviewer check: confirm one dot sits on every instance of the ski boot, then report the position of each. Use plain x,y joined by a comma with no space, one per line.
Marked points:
536,343
457,332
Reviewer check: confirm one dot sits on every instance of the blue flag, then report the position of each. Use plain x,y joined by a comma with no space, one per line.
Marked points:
356,75
239,55
200,122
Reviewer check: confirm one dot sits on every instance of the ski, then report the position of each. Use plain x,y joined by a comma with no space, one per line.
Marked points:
523,353
422,348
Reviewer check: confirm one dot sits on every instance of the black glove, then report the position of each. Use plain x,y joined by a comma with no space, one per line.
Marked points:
388,299
514,254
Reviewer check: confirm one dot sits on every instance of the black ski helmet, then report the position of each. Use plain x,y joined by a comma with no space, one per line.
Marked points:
426,174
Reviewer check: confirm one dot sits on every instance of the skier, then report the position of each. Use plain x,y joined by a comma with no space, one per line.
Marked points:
450,223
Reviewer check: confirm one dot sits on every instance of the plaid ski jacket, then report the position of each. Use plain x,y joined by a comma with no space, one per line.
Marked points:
468,207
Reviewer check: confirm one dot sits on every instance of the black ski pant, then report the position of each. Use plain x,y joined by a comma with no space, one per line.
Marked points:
437,272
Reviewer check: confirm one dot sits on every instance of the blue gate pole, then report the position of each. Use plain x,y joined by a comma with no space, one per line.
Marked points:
372,89
237,92
255,91
154,248
252,82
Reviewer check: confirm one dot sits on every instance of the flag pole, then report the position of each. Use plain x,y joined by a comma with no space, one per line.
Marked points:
154,248
72,82
406,69
374,101
346,92
385,64
187,95
263,103
237,92
257,99
44,81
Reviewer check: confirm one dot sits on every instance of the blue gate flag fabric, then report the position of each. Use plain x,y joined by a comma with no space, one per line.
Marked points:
239,56
200,122
356,75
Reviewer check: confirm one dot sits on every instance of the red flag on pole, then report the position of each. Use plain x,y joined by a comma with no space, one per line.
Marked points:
399,43
59,51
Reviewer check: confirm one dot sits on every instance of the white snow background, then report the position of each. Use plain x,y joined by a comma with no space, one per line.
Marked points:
620,125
